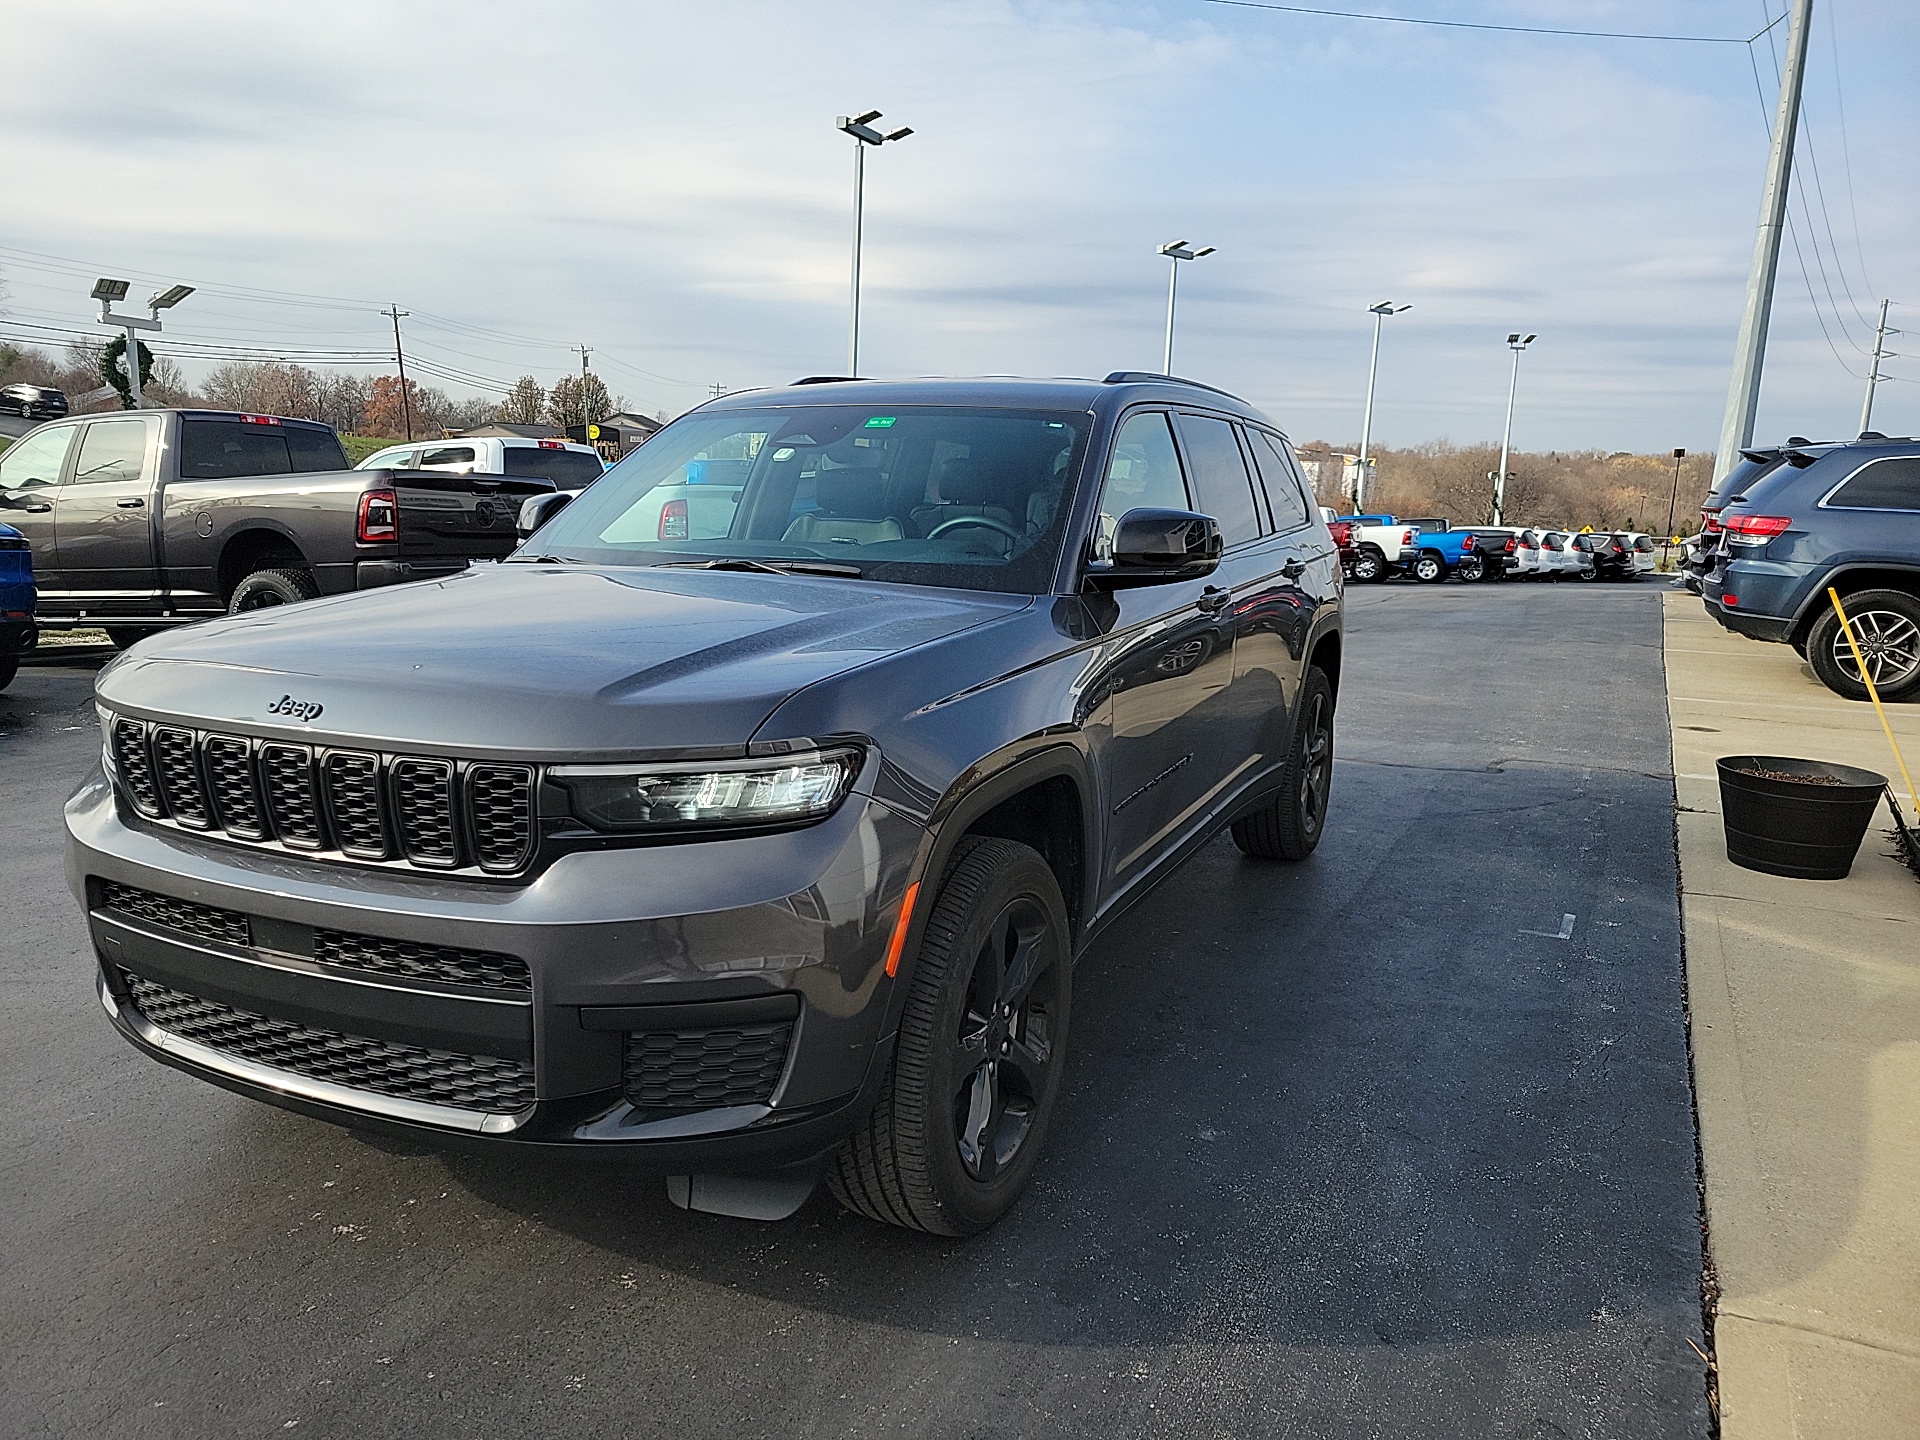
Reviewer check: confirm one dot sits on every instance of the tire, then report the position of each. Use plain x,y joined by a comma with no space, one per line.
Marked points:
1290,825
1887,625
9,667
124,635
958,1128
1369,567
272,587
1470,569
1429,569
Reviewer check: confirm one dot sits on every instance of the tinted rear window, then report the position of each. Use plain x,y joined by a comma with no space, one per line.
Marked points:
567,469
223,449
1892,484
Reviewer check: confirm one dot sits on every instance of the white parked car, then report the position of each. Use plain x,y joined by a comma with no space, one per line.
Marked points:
1561,557
1527,556
569,465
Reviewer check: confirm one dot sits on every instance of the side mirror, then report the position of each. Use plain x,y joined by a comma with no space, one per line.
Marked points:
1157,547
536,510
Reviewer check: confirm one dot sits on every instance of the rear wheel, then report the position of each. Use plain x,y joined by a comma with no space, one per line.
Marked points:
1289,825
272,587
1886,623
1471,568
959,1126
1369,567
1429,569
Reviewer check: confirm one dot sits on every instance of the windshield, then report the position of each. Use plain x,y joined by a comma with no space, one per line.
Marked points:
921,494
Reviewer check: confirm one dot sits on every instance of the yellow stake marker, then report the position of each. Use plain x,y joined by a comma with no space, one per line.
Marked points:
1846,628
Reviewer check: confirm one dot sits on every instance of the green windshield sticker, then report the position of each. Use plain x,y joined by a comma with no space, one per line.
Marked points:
880,422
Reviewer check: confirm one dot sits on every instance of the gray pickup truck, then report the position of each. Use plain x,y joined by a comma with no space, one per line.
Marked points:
142,521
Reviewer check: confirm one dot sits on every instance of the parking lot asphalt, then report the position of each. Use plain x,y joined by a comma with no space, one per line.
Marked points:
1398,1142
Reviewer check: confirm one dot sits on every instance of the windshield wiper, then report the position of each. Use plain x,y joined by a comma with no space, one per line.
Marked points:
767,567
542,560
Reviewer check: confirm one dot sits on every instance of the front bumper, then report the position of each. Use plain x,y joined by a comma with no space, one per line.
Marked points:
643,970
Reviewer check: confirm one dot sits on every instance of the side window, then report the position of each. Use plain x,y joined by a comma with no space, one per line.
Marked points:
313,450
1221,485
395,460
111,450
1285,496
227,449
1882,485
1144,474
37,460
447,455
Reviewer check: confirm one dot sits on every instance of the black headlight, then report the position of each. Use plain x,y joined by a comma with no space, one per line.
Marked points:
708,795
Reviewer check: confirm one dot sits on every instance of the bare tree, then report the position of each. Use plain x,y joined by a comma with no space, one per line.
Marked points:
524,403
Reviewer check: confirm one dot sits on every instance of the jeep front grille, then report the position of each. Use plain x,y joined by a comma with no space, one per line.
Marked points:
360,1062
407,810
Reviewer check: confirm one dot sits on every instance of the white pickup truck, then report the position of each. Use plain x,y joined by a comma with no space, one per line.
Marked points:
569,465
1380,545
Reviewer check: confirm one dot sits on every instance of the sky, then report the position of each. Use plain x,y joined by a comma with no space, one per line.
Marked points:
664,184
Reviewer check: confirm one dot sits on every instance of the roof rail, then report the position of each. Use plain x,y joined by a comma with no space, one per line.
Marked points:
1136,377
829,379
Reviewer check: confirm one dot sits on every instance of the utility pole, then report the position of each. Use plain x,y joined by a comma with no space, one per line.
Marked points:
1873,375
1750,351
585,351
1516,343
1379,313
860,127
394,313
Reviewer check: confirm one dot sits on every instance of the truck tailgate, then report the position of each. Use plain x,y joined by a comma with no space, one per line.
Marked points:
449,516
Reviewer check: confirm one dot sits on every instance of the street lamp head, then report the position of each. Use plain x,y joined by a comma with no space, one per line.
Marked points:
1680,454
860,127
864,119
104,289
1172,245
900,134
167,299
1178,250
1514,338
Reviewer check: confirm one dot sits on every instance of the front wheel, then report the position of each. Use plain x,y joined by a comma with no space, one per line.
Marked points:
960,1123
1886,623
1289,826
272,587
1429,569
1471,568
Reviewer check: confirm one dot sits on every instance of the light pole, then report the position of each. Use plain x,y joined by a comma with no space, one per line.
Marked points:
1874,377
1673,503
1379,313
1176,251
106,292
1517,343
860,127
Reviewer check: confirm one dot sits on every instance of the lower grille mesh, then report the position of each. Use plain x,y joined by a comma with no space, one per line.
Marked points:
421,962
706,1069
186,916
410,1072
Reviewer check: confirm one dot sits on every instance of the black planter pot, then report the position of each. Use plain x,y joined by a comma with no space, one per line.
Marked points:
1807,828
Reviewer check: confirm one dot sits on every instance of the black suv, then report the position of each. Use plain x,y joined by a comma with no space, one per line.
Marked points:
1814,516
751,848
33,402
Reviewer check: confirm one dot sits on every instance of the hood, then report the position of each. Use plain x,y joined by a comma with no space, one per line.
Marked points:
536,662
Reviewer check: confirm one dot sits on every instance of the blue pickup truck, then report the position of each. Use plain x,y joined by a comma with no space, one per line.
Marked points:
17,595
1439,551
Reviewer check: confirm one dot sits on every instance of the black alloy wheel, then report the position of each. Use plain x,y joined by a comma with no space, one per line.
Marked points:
1290,825
272,587
1471,568
961,1121
1886,624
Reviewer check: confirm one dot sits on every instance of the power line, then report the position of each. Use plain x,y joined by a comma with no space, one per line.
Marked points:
1478,25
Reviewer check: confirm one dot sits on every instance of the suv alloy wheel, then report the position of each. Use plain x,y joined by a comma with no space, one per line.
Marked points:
976,1070
1887,625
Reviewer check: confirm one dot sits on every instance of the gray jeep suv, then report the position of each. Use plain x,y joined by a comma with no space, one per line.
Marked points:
752,849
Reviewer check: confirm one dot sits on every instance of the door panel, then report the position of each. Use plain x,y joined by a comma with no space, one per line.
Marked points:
30,475
1161,675
103,520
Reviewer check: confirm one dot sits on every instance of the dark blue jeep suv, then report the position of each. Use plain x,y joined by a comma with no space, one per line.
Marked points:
1840,515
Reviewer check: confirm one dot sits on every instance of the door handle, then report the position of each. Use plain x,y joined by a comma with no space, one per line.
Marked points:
134,504
38,509
1213,600
1294,568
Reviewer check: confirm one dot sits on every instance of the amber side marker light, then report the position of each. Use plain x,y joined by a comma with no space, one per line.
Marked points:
900,928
